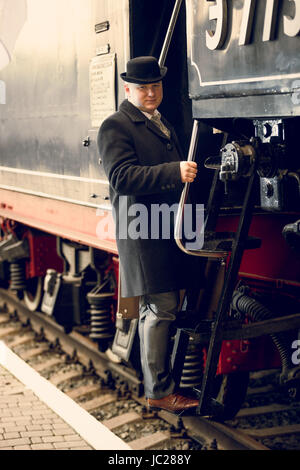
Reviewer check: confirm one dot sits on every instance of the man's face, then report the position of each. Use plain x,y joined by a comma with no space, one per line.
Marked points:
146,97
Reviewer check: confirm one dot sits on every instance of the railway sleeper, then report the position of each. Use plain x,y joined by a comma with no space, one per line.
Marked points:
118,374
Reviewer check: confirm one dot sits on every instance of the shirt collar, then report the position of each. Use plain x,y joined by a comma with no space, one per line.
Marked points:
148,115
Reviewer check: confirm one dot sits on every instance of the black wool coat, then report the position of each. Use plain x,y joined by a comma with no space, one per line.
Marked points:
143,169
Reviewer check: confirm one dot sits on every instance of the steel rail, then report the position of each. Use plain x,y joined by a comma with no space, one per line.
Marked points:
227,438
75,345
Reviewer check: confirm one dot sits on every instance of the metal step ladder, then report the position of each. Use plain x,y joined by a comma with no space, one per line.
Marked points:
218,246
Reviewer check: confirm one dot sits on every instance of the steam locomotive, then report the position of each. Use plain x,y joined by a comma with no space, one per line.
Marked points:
232,93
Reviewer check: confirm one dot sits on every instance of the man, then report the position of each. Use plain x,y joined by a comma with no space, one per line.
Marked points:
144,164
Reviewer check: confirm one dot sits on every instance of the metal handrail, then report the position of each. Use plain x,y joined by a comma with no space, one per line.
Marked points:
169,35
183,199
192,149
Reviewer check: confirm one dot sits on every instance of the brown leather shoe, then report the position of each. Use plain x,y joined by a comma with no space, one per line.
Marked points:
174,403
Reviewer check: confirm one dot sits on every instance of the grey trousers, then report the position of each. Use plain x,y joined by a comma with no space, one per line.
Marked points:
157,312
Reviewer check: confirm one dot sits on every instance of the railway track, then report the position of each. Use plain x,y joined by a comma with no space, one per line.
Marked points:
112,393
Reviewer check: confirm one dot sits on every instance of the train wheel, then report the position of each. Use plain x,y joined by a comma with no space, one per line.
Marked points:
231,391
33,293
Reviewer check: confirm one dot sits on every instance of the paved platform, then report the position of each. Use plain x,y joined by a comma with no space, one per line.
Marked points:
35,415
26,423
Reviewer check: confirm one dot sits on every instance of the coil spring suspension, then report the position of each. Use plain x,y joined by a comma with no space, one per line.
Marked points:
17,276
244,304
101,324
192,371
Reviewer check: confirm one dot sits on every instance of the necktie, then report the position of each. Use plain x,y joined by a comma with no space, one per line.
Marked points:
156,120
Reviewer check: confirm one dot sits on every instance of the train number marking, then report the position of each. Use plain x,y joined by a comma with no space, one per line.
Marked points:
291,26
247,22
270,20
218,12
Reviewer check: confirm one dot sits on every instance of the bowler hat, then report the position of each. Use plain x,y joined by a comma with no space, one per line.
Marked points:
144,70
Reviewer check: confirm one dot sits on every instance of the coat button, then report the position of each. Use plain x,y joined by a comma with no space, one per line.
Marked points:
169,147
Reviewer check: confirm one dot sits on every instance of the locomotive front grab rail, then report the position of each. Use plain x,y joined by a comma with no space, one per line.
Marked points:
179,216
170,32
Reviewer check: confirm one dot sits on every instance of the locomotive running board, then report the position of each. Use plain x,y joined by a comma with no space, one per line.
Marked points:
234,330
266,327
